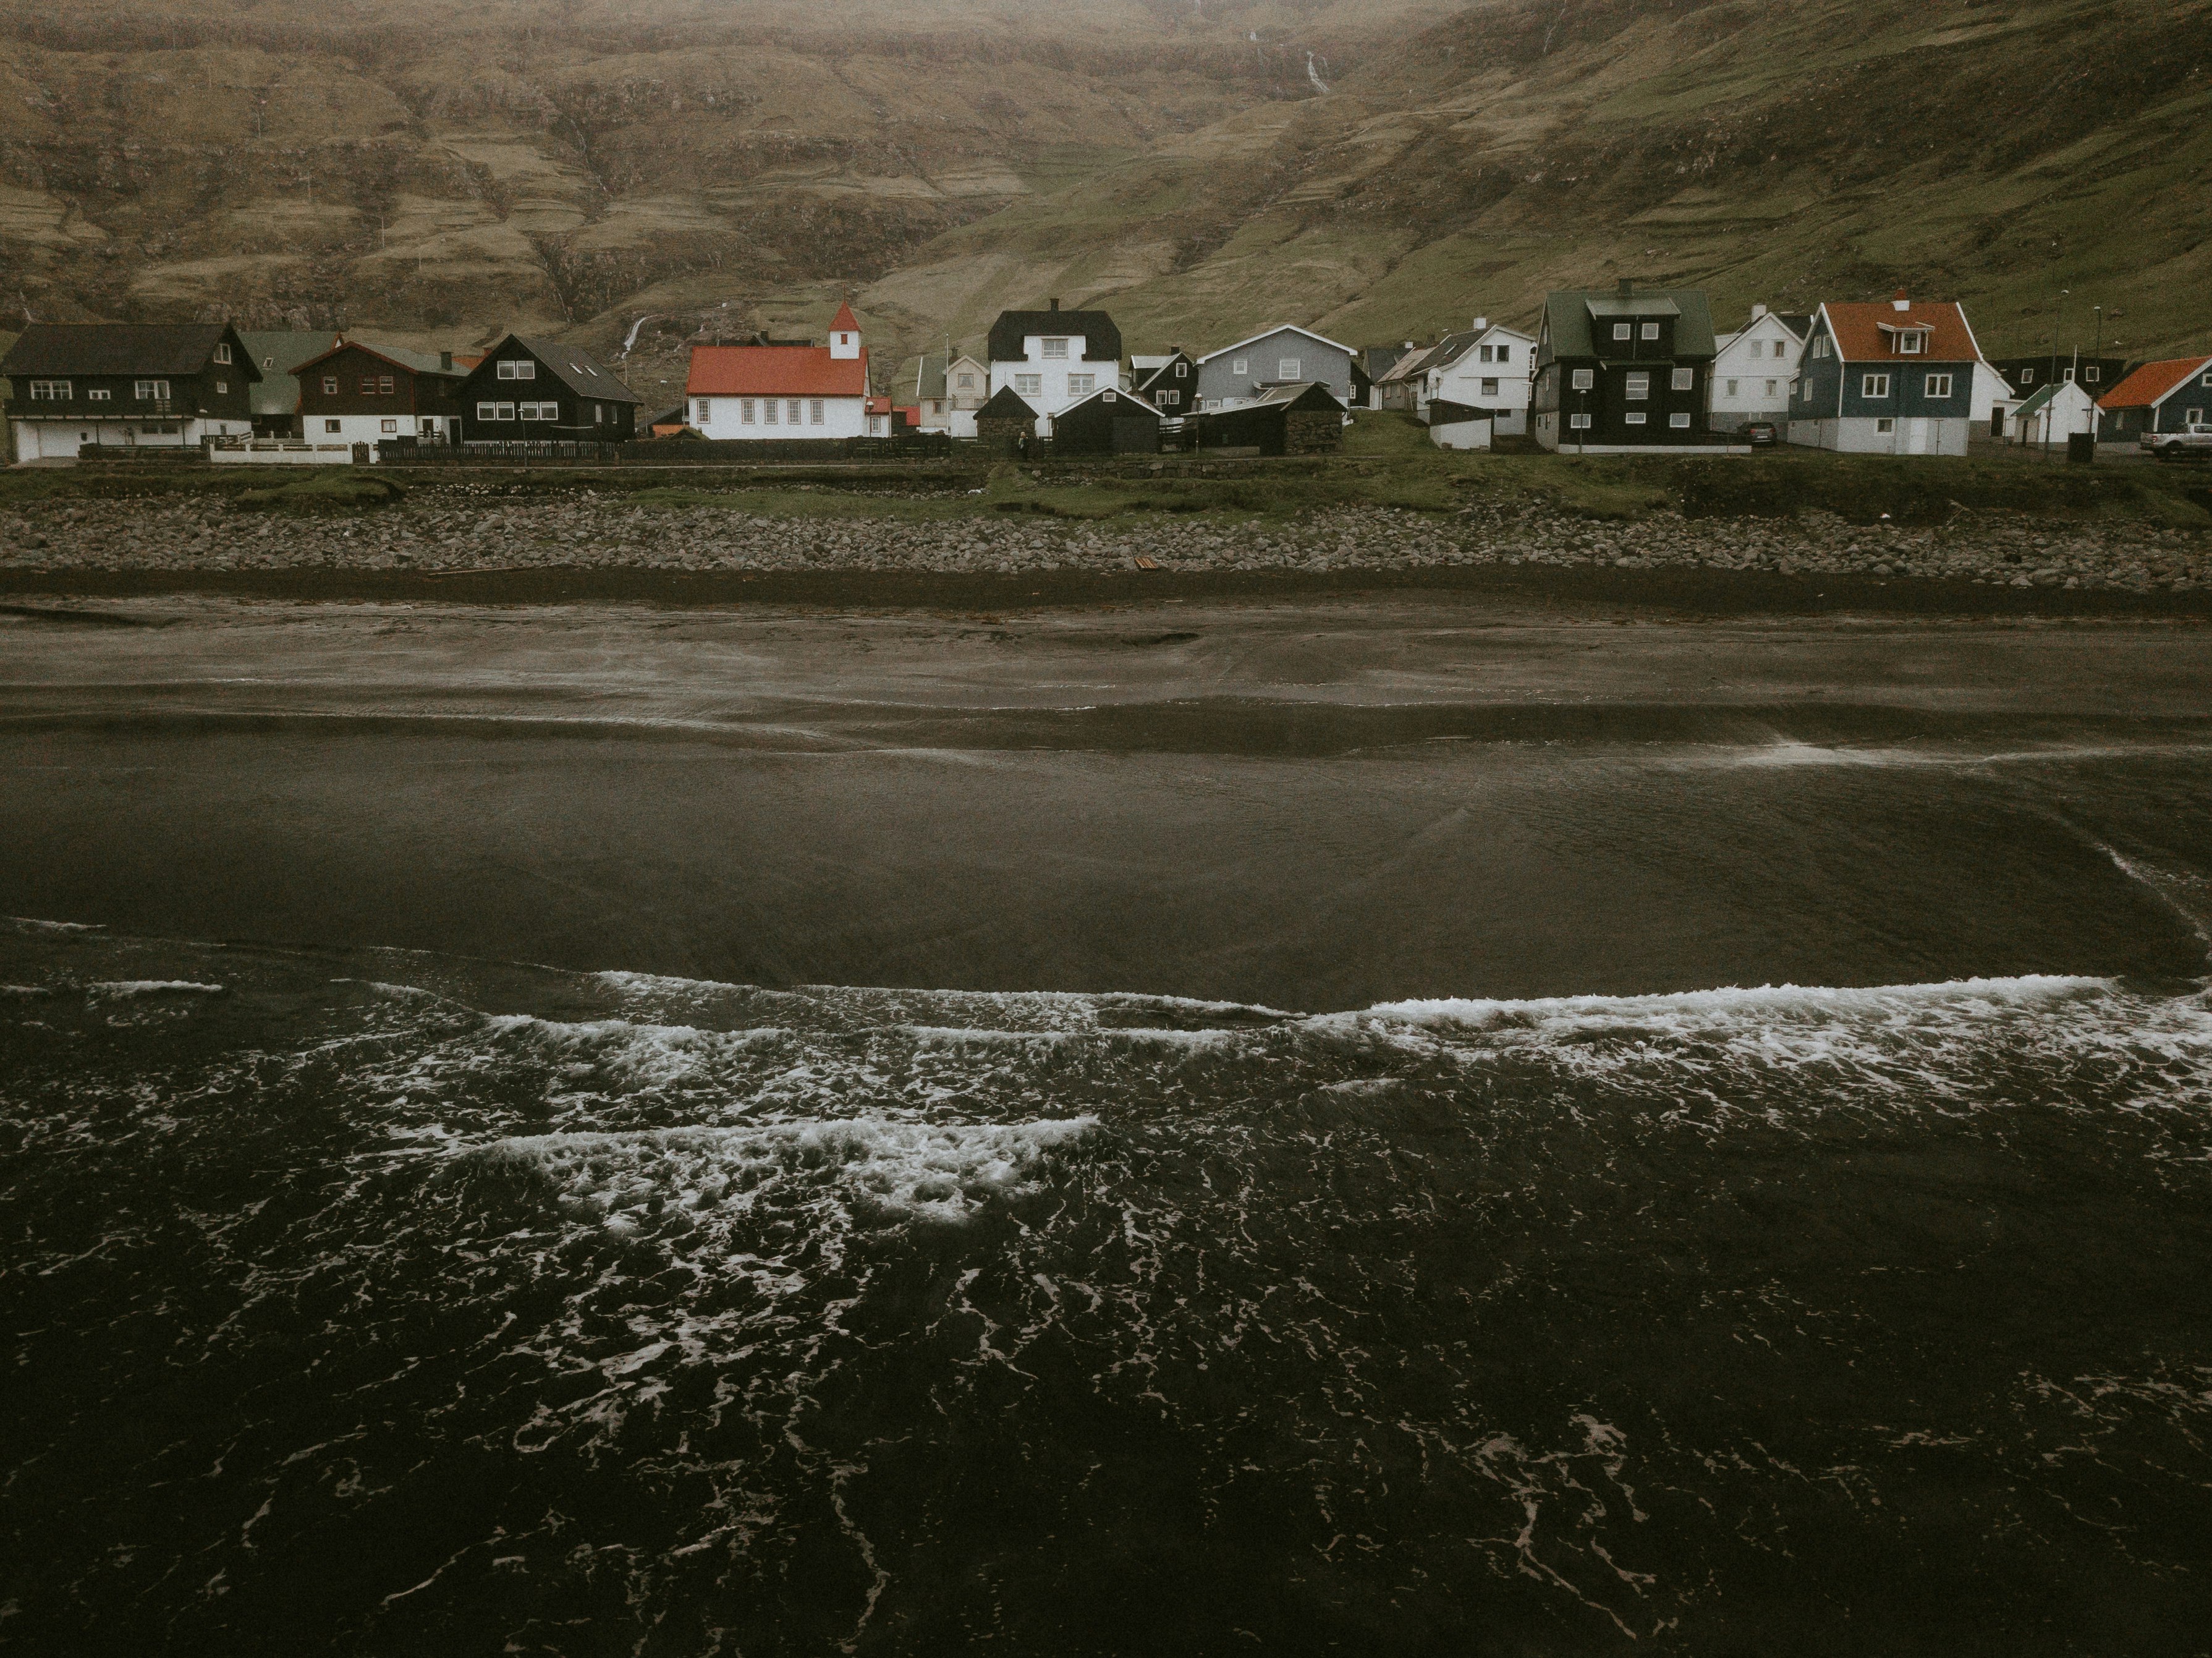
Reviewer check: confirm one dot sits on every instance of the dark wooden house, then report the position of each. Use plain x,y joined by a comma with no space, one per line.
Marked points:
1303,419
1623,369
75,386
536,391
2027,376
1168,383
361,391
1107,422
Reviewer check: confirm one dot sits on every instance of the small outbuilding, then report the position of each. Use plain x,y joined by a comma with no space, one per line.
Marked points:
1305,418
1459,425
1006,420
1107,421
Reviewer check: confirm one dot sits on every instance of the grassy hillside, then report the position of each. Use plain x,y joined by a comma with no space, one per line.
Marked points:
435,174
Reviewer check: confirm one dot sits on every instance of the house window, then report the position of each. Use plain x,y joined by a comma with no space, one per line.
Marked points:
1685,380
1489,388
222,386
814,413
510,369
1029,385
1778,351
391,426
338,426
1650,331
1056,349
967,382
540,410
2193,416
98,395
2207,380
330,384
1241,366
2027,376
384,385
368,384
1821,346
1678,421
1580,422
1910,345
1731,390
494,412
1772,385
50,391
2092,374
1885,425
1585,378
1638,387
222,353
1183,371
1636,419
1874,386
768,408
1939,385
1624,330
1172,399
1082,385
1505,354
790,412
148,391
2069,377
599,414
1287,369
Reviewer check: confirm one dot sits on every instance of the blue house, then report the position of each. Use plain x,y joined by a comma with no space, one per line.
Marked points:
1887,379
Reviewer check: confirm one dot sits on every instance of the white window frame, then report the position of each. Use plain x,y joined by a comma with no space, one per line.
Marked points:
1241,365
543,410
1637,418
1885,424
1585,379
1636,387
1911,343
792,412
1029,385
1937,385
1489,385
150,391
1054,350
330,384
1578,423
771,411
1649,330
815,414
1685,380
1871,386
1679,420
1288,367
97,393
494,412
516,369
2192,416
2027,376
221,351
1082,385
2093,373
1821,346
702,410
1624,330
53,390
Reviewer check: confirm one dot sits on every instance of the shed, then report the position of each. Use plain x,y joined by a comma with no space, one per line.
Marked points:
1107,421
1459,425
1006,419
1303,418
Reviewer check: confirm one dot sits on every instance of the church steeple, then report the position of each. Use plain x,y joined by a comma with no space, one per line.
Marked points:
845,334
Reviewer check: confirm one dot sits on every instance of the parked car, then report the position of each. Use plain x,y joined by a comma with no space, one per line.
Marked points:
1761,434
2193,441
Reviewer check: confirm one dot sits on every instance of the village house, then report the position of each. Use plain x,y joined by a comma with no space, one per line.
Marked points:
1051,359
2158,397
1623,369
1487,367
750,393
2026,375
527,390
1893,377
126,385
1402,386
1302,417
362,391
1754,370
1378,360
1168,383
947,394
1109,421
1282,357
278,353
2051,414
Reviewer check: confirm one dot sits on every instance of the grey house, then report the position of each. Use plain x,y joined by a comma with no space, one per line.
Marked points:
1279,356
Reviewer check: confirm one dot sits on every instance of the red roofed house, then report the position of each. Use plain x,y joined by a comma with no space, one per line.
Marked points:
2160,397
1889,377
739,392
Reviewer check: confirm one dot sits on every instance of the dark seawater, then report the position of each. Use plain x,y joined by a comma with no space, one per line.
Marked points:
1315,1192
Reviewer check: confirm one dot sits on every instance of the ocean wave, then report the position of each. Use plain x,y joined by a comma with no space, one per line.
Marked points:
119,988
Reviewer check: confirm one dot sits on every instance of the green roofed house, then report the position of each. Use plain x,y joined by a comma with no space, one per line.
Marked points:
275,395
1623,370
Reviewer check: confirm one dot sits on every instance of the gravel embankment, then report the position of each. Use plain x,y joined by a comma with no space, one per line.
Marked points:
440,529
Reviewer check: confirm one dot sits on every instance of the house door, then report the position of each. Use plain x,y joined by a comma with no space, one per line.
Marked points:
1996,422
1916,437
60,442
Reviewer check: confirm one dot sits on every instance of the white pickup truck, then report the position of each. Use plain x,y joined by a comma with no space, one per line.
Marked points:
2193,441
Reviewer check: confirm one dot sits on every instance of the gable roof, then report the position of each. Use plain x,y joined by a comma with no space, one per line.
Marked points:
1285,394
1137,405
2148,386
277,353
929,379
1281,328
1414,362
774,371
1007,403
1567,317
1863,330
123,348
1102,339
399,356
580,371
2044,394
844,322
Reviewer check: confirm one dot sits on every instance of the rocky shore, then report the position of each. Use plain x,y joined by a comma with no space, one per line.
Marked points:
457,529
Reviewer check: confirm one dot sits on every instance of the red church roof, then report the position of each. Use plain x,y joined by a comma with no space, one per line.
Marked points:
775,371
844,322
2152,381
1864,331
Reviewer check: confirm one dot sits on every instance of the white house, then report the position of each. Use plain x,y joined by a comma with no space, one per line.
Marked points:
1486,368
758,391
948,394
2051,414
1053,359
1754,368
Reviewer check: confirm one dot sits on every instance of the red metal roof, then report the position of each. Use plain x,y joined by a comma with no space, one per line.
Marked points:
1865,332
2147,384
774,371
844,322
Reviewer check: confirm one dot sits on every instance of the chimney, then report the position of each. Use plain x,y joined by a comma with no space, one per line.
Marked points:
1627,287
1900,304
1052,305
446,361
1482,323
1757,312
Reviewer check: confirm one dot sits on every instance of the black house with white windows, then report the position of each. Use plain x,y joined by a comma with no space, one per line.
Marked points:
1624,368
1168,383
539,391
79,386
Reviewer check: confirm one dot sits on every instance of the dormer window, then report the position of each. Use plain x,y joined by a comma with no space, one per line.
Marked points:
1910,344
1650,331
1056,348
1624,330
